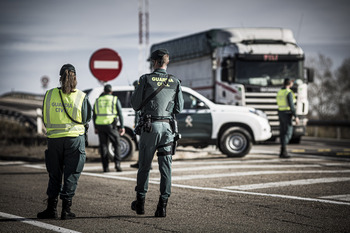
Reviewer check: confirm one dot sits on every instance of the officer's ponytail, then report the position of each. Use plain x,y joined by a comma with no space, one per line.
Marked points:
68,81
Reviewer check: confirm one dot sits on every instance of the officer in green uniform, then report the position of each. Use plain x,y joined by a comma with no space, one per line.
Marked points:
158,131
286,110
107,111
65,112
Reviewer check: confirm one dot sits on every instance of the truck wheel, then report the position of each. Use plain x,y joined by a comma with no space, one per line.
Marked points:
235,142
127,148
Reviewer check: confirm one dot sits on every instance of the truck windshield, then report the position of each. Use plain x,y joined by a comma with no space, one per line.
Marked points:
262,73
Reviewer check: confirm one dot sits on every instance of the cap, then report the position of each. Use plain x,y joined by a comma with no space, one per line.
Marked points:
158,54
108,88
287,81
67,67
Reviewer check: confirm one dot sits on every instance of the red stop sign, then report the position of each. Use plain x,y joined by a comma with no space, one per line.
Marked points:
105,64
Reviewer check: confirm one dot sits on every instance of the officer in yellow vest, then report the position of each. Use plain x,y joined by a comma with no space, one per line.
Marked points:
65,112
286,110
158,131
107,111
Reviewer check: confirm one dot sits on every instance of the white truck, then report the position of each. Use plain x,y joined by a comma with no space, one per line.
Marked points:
233,129
242,66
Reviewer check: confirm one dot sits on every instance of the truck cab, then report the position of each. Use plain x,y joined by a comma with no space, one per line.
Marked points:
243,67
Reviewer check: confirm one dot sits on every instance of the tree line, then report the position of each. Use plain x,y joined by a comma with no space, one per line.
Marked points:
329,94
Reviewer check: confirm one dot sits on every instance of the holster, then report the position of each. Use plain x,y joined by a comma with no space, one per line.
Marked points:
145,123
114,123
173,125
86,126
176,138
148,123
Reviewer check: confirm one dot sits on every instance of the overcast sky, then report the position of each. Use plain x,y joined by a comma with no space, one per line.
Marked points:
38,36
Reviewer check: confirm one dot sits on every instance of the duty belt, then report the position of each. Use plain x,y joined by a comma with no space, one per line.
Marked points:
161,120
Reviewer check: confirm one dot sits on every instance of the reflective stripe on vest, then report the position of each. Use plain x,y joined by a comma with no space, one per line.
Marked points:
56,120
105,109
282,99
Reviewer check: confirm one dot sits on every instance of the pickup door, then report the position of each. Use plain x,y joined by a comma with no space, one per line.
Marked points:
195,121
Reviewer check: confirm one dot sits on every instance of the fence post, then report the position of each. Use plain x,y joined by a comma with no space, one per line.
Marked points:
338,133
39,121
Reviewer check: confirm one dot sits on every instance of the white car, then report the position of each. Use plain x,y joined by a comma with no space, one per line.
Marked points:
233,129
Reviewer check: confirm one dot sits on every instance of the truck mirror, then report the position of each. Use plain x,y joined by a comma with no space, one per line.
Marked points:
310,75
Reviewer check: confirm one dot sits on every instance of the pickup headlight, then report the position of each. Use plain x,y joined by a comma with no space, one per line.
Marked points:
259,113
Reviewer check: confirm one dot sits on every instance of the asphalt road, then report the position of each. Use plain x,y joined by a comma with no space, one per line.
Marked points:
210,193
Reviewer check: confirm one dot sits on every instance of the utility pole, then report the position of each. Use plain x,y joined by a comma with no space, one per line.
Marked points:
143,7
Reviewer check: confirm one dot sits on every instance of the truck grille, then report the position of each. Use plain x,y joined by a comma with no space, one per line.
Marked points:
267,103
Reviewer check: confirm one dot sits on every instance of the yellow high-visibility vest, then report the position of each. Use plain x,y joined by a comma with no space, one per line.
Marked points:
282,99
56,120
105,109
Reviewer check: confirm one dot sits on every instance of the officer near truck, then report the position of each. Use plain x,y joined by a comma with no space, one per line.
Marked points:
159,97
286,110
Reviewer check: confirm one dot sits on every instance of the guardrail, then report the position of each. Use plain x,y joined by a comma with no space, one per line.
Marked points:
21,118
329,128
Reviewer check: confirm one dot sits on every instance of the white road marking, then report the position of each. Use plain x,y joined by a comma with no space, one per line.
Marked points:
110,176
38,166
246,161
225,190
37,223
345,197
289,183
253,173
260,194
221,167
3,163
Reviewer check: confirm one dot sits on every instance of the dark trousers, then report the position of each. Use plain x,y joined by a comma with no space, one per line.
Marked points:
160,135
286,127
105,133
64,158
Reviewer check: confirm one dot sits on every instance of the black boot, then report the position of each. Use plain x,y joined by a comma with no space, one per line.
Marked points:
161,208
139,205
118,167
66,214
284,153
136,165
51,210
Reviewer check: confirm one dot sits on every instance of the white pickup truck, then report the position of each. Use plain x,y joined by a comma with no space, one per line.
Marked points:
233,129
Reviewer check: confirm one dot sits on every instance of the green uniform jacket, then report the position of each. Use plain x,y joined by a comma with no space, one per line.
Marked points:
167,102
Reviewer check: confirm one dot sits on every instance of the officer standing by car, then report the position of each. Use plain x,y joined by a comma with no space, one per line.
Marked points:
157,133
107,111
286,110
66,110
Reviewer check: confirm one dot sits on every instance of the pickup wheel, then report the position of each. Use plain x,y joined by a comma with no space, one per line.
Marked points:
235,142
127,148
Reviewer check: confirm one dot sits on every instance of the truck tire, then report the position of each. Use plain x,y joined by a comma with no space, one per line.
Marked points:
235,142
127,149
